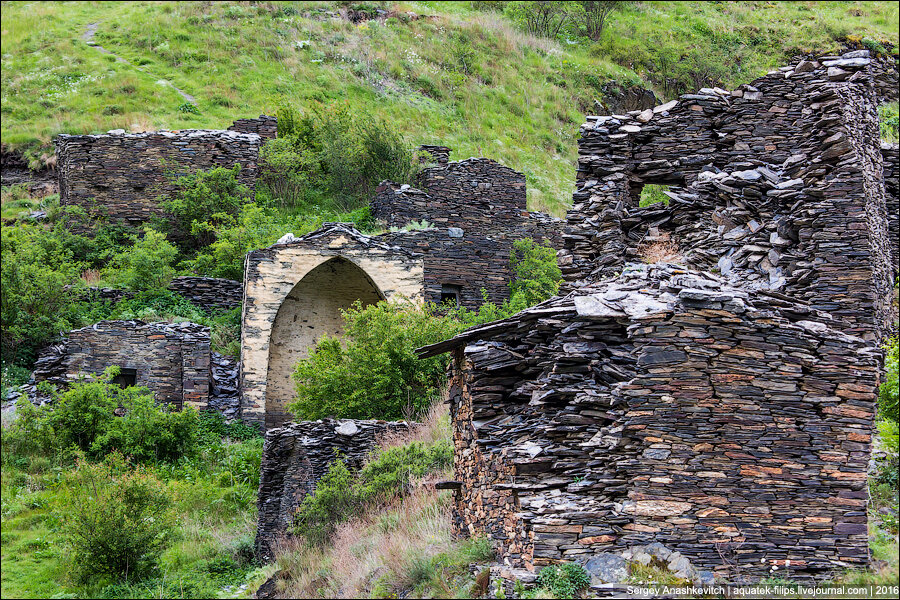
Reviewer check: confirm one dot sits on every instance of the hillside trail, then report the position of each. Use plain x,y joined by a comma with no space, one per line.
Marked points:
88,37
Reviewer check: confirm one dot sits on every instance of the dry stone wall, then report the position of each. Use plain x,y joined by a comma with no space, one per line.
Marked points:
121,175
209,293
890,158
666,406
296,456
171,359
782,181
264,126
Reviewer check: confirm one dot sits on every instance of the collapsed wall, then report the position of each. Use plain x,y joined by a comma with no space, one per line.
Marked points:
296,456
665,406
209,293
120,176
780,184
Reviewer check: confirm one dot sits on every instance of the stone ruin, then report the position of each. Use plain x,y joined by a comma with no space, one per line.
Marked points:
121,176
725,416
779,185
665,406
296,456
173,360
264,126
295,289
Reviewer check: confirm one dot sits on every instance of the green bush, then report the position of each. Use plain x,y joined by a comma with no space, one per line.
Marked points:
373,371
205,198
564,581
83,418
889,121
890,388
387,474
888,469
146,265
334,154
148,432
39,290
116,522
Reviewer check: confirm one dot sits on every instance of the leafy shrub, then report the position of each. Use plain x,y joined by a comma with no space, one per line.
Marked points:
889,121
890,388
386,475
148,432
373,371
39,284
83,418
205,198
146,265
564,581
653,194
117,522
188,108
536,274
888,469
334,154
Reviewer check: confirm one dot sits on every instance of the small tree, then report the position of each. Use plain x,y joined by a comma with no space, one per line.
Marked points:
202,197
536,274
596,14
146,265
543,18
117,521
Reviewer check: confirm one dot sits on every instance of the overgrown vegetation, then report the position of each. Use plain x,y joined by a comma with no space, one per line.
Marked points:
153,503
372,371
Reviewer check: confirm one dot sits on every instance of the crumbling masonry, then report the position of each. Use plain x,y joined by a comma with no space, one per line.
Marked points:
295,290
727,416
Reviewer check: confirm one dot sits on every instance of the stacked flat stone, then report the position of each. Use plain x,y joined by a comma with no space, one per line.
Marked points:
811,128
891,159
121,176
296,456
666,406
171,359
264,126
209,293
476,208
225,391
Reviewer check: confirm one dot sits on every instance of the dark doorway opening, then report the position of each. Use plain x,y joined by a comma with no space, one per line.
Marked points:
451,293
125,378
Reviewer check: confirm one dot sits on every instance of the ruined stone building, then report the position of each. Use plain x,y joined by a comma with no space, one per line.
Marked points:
665,406
779,184
120,176
728,416
294,291
173,360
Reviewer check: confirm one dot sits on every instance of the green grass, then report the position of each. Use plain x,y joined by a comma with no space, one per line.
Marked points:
469,79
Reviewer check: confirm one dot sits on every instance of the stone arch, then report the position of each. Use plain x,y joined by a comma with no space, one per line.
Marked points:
311,309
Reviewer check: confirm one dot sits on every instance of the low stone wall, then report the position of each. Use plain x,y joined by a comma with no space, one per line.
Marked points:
666,406
209,293
890,161
264,126
120,176
296,456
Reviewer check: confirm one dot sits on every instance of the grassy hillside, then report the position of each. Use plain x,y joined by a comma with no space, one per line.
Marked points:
446,73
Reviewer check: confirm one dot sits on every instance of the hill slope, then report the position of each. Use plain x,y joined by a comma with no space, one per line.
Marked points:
440,71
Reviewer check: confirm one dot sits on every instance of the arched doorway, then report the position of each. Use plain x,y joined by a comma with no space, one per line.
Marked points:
311,309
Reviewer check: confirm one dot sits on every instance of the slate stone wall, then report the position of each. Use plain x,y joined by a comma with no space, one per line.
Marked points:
264,126
121,175
890,159
781,179
296,456
666,406
171,359
209,293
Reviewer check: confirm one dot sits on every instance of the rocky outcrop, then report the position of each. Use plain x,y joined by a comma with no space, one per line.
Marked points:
296,456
